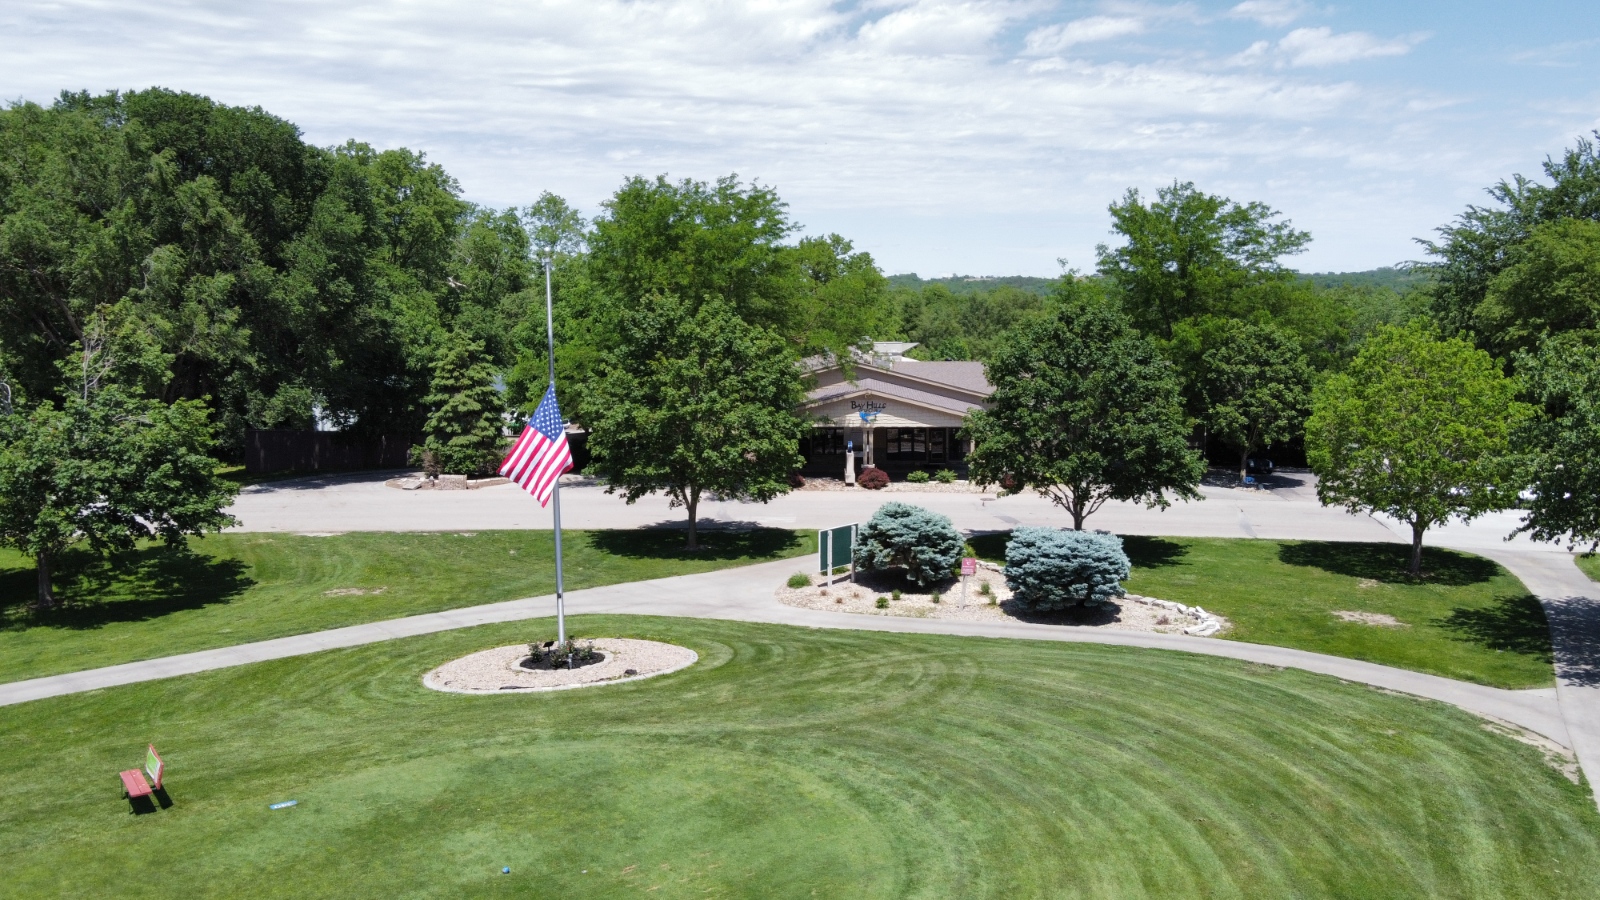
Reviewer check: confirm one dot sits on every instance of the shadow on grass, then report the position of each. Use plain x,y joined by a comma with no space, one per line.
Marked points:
1387,562
1152,552
715,544
990,546
1513,624
131,587
1144,552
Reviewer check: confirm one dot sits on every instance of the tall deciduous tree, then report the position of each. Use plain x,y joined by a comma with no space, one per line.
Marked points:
1085,410
1189,254
1563,443
694,241
694,402
276,274
1257,386
1418,428
1482,242
1550,285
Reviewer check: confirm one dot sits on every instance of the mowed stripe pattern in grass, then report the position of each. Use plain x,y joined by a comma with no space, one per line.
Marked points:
237,588
788,763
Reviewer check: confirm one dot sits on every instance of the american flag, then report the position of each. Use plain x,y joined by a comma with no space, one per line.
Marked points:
540,456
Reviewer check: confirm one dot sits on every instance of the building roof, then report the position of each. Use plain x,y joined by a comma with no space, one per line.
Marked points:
867,384
960,374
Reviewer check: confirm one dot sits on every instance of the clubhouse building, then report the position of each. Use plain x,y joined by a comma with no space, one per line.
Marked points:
900,414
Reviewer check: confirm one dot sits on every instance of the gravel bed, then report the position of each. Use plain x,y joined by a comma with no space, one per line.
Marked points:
499,671
1131,613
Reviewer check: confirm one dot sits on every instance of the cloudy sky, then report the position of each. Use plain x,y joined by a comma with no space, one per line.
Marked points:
973,136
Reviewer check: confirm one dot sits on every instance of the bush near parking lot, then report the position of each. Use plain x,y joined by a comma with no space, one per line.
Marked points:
900,535
1049,569
873,478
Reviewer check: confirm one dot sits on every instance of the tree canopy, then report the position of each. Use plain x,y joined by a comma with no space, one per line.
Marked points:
1189,254
1252,382
694,401
106,467
1418,428
277,275
1085,410
1563,442
1482,243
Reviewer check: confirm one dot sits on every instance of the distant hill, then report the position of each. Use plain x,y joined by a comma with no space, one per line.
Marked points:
1387,277
1397,279
972,284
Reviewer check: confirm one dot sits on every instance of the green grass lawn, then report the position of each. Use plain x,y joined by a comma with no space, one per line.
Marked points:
1468,619
1590,564
237,588
788,762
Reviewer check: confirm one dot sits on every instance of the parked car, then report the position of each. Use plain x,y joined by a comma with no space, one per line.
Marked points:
1258,465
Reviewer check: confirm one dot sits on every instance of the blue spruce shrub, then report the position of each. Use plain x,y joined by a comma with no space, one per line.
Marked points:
1051,569
924,543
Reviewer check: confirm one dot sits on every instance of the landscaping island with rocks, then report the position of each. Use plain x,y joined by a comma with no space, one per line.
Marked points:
509,669
988,599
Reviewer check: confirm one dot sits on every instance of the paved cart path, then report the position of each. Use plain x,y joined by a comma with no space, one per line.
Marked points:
747,594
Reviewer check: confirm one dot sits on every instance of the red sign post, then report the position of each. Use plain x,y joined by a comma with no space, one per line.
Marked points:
969,568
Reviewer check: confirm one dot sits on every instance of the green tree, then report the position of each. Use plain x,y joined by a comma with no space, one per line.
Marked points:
464,427
106,468
695,241
1190,254
1482,242
1418,428
276,275
554,227
1550,284
695,402
1256,384
842,297
1085,410
1563,443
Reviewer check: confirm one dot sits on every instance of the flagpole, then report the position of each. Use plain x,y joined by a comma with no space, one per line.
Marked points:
555,491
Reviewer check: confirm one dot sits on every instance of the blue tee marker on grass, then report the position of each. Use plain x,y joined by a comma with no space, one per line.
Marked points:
505,870
285,803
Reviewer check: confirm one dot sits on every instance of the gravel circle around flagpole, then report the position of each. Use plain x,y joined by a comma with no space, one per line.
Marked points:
500,671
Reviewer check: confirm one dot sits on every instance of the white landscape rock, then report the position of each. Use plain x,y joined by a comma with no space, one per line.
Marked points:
1128,613
499,671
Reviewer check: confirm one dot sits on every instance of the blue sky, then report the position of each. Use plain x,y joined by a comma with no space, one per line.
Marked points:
973,136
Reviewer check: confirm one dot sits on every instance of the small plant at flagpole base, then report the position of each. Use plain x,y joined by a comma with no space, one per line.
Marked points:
568,654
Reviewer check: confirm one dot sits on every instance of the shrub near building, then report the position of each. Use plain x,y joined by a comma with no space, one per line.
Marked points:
925,544
1049,569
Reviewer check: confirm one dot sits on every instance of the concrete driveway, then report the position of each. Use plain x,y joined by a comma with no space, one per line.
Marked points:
1288,508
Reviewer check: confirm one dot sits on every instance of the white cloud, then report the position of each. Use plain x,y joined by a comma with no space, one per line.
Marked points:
1055,38
1271,13
937,26
1321,47
872,119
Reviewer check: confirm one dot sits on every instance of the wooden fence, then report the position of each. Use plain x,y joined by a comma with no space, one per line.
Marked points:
324,451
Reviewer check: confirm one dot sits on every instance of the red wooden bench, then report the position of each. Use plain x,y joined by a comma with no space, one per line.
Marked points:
134,782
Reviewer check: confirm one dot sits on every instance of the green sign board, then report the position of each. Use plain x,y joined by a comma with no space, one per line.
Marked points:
835,548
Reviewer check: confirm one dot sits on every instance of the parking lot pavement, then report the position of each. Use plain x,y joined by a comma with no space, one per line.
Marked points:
1286,509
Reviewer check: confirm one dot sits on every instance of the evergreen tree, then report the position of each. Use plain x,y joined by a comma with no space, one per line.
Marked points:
464,429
